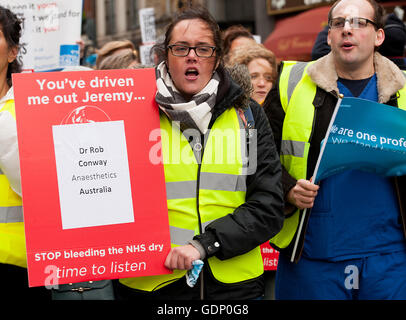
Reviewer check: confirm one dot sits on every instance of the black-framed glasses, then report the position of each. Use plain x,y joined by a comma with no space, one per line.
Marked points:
355,22
180,50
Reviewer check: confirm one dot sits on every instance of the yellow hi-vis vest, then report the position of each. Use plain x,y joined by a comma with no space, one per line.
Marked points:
12,238
297,92
210,192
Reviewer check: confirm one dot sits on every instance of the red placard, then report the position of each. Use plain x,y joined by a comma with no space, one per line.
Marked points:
269,256
94,202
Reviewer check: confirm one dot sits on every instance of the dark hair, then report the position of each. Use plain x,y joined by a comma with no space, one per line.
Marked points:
11,27
395,37
232,33
378,13
157,53
197,12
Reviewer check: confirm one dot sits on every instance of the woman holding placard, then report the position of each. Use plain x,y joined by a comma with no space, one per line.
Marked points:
220,208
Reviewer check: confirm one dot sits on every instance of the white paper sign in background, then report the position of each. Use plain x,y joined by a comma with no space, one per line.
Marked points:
147,25
47,25
93,174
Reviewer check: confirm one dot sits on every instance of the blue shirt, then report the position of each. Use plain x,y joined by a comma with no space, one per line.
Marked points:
356,213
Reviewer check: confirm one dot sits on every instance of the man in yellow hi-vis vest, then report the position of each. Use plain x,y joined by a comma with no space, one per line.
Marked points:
13,262
353,243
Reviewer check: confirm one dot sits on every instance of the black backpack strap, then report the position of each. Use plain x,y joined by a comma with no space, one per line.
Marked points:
250,118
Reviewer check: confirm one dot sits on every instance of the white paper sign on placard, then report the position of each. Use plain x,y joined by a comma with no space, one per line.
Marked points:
93,174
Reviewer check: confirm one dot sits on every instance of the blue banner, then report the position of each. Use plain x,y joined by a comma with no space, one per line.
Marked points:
367,136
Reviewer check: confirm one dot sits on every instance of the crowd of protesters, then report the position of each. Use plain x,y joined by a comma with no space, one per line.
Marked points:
207,79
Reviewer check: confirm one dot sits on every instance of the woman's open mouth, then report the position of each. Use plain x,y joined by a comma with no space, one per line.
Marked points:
191,73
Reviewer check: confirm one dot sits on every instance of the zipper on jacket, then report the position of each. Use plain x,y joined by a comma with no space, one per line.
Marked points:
199,166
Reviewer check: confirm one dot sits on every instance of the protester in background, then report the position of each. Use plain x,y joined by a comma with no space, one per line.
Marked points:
234,37
357,218
262,68
114,47
13,261
321,47
395,40
157,53
220,210
122,59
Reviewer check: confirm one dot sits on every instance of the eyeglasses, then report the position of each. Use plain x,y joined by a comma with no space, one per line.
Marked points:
355,22
179,50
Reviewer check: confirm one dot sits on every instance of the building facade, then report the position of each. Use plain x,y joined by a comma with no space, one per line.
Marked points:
106,20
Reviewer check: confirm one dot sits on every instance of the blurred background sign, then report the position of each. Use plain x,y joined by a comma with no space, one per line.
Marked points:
285,6
147,25
293,37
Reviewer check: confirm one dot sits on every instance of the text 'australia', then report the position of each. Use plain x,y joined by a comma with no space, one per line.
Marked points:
104,189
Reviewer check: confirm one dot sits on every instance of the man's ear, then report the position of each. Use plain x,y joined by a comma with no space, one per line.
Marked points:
328,38
380,37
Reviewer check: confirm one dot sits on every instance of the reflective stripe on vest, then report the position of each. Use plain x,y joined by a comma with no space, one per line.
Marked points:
292,148
11,214
221,190
297,103
208,180
12,238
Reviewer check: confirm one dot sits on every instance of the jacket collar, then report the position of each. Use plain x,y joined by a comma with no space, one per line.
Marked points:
390,79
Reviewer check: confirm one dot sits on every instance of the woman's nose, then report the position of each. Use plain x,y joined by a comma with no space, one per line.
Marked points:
261,82
192,53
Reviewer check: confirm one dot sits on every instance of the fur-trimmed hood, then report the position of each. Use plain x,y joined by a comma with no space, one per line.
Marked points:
390,79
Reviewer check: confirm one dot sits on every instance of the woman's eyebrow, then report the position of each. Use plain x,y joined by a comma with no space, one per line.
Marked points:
199,43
